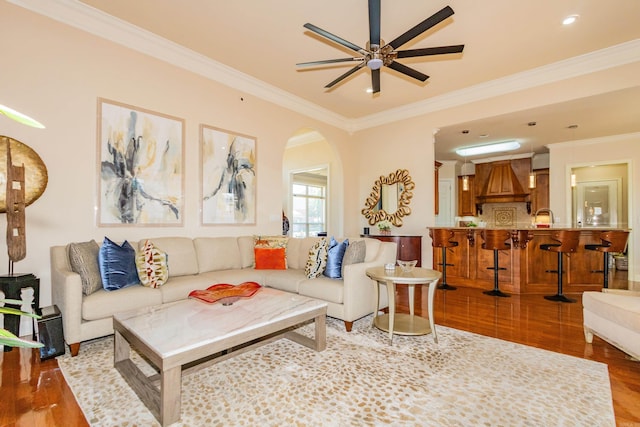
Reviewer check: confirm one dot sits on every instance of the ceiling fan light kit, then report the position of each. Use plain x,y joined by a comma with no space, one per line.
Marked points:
377,54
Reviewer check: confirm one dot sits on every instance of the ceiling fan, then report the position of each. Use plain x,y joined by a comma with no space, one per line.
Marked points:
378,54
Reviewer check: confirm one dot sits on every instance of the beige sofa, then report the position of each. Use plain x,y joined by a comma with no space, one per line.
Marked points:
200,262
614,316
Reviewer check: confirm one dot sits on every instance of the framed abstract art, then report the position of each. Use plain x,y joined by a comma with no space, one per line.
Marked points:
140,166
228,171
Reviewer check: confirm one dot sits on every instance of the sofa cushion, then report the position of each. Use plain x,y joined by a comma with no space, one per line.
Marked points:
151,264
317,259
285,280
373,246
298,251
217,253
335,257
181,254
178,288
323,288
101,304
83,258
245,245
117,265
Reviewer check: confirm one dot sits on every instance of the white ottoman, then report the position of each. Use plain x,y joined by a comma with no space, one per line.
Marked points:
614,316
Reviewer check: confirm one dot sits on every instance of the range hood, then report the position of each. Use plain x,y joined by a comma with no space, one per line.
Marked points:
502,185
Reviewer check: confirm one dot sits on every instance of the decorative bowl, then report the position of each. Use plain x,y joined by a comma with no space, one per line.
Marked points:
407,266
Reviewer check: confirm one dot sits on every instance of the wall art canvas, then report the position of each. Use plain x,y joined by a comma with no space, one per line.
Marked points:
140,166
228,177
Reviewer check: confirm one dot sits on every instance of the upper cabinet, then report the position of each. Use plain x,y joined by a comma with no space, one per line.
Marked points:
435,190
540,194
467,198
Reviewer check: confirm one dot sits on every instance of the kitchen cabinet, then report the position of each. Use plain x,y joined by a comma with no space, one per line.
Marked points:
435,190
540,194
467,199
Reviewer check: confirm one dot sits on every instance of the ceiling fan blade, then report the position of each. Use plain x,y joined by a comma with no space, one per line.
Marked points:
442,50
333,37
327,61
374,22
345,75
375,80
408,71
431,21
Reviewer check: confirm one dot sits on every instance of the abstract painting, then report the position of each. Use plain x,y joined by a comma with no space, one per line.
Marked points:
228,177
140,166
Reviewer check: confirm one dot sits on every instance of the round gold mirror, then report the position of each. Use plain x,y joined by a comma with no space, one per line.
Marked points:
389,199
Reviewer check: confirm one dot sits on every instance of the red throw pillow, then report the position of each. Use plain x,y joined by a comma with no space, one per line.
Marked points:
270,258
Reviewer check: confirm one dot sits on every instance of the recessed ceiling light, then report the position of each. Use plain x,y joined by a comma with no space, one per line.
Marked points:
570,19
490,148
484,135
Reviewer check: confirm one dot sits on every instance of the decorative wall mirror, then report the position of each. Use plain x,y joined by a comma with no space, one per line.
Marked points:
390,198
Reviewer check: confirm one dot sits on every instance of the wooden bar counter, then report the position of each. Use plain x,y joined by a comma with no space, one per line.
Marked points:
526,264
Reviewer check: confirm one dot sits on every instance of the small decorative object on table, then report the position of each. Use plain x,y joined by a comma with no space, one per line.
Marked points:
385,227
225,293
389,266
407,266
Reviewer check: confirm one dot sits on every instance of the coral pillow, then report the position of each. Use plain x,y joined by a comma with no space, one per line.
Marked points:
152,266
270,258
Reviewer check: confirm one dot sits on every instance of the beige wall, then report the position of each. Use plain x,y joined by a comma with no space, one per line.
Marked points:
56,73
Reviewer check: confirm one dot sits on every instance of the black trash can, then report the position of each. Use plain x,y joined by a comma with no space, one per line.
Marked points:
50,332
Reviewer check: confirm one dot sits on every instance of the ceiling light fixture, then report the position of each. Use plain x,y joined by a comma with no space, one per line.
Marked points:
570,19
490,148
532,175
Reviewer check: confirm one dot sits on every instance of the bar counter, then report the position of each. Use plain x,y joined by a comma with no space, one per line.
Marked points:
529,270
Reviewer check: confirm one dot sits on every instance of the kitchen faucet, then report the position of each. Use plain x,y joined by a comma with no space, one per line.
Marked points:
535,219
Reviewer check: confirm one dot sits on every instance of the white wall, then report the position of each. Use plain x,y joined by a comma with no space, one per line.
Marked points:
56,73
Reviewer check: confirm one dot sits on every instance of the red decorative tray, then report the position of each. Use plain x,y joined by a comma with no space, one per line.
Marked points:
225,293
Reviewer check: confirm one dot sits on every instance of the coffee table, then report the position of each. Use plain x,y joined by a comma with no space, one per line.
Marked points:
401,323
188,335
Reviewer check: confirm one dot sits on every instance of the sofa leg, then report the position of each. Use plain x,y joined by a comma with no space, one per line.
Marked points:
75,349
348,325
588,335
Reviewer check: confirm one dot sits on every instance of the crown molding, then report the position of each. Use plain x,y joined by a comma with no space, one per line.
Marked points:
98,23
611,57
94,21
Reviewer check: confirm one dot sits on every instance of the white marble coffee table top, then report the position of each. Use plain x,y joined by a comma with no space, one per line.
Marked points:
177,327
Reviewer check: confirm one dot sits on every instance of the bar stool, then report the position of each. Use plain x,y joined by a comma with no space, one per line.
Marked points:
496,240
441,238
612,242
568,243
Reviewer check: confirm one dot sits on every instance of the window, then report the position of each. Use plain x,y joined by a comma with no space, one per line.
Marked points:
309,207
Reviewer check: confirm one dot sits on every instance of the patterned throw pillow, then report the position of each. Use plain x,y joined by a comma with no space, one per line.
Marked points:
270,252
335,257
117,265
355,253
317,259
152,266
84,261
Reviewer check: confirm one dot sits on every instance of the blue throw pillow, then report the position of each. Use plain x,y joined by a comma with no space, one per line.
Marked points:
334,259
117,265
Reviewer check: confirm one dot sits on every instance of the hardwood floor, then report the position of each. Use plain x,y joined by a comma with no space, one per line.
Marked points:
35,393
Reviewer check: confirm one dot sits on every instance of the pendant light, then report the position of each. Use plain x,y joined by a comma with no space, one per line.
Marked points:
465,177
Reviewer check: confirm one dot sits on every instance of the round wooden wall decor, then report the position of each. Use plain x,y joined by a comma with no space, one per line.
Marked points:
36,177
